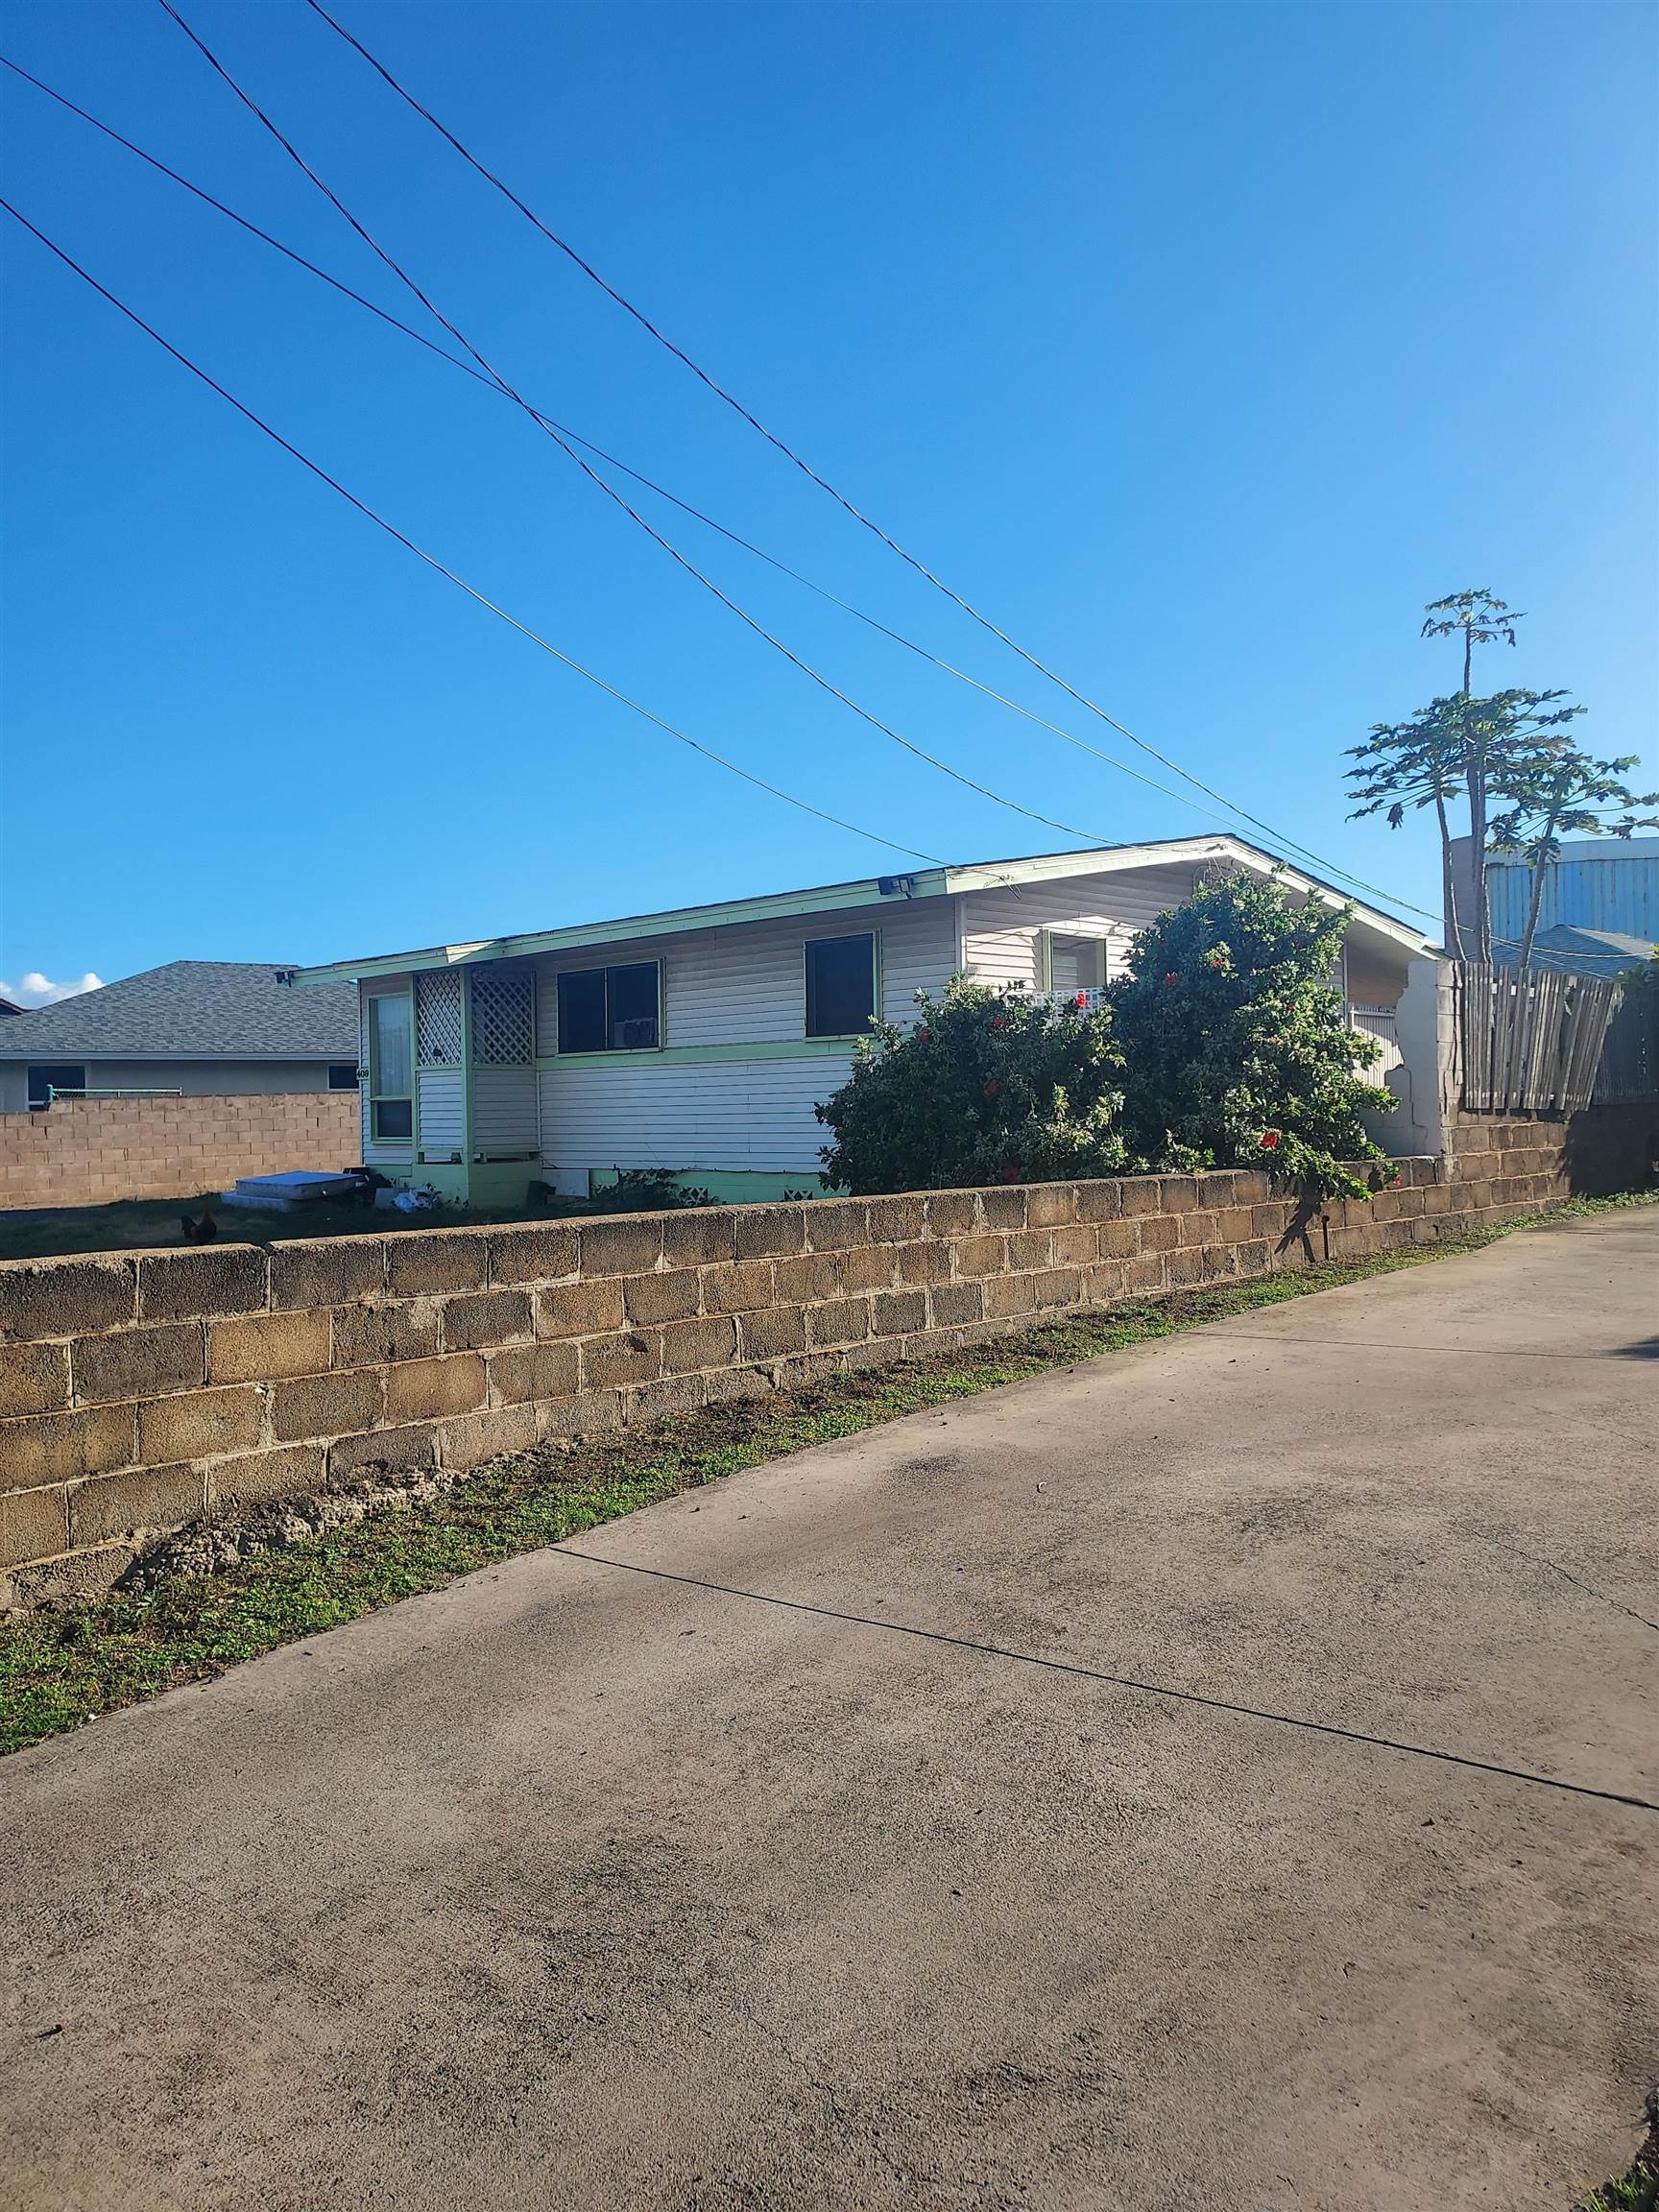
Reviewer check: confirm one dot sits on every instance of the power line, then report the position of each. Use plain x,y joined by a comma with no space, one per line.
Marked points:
565,430
806,469
448,574
551,423
984,791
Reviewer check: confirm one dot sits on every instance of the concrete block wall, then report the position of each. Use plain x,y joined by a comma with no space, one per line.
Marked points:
94,1151
140,1390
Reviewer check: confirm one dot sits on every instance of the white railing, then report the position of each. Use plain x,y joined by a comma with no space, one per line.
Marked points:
1383,1023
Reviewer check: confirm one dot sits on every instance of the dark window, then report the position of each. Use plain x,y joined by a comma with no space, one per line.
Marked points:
49,1078
840,985
610,1009
343,1077
394,1119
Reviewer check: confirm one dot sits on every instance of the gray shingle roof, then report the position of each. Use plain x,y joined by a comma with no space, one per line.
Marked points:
207,1009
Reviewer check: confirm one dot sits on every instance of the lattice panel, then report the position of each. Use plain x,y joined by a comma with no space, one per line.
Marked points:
503,1017
438,1035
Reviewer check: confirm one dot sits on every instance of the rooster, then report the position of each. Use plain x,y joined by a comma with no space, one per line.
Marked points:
201,1232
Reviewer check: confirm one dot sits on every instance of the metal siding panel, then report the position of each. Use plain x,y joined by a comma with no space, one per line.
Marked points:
1615,887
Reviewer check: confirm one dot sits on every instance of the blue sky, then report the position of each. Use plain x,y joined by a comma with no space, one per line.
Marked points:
1198,346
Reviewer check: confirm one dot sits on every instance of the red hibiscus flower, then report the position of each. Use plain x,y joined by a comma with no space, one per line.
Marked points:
1270,1139
1010,1174
992,1088
921,1036
1172,977
1081,1000
1000,1023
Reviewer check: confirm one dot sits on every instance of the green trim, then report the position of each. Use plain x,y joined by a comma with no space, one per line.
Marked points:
777,905
696,1055
736,1186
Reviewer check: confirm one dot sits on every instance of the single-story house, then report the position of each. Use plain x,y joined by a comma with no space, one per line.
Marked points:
195,1027
699,1042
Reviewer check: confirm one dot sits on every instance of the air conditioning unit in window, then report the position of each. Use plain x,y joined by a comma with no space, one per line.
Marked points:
637,1036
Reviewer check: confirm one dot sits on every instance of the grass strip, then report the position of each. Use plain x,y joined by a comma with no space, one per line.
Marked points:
60,1669
1637,2188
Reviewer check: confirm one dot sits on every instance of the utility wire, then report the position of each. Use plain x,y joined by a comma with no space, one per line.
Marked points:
611,460
806,469
932,760
565,430
448,574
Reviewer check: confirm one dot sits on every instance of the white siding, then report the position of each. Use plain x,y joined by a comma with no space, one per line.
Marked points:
722,1113
1003,930
504,1109
746,984
741,985
443,1112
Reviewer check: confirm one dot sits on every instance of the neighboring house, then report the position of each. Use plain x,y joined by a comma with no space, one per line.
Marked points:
10,1006
193,1027
700,1041
1585,952
1605,884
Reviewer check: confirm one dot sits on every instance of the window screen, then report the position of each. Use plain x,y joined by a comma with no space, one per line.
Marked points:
54,1078
610,1009
840,985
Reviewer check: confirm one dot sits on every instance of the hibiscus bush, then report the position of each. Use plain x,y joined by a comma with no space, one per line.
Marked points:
1237,1048
986,1086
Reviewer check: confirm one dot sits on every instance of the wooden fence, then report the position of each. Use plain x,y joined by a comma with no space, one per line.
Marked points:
1530,1042
1629,1071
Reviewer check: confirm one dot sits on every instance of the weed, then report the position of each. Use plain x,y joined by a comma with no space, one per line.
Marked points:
59,1669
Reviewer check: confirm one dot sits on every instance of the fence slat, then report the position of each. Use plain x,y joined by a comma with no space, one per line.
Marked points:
1533,1042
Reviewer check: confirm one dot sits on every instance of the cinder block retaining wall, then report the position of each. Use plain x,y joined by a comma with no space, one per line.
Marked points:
93,1151
140,1390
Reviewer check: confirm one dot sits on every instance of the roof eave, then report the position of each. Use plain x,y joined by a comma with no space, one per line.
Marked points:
779,906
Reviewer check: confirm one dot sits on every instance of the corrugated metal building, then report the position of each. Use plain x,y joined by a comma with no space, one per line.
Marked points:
1603,883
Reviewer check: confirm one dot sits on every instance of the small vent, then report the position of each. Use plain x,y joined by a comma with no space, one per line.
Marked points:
438,1018
503,1025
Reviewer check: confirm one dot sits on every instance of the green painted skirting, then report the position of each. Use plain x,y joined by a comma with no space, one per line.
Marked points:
738,1185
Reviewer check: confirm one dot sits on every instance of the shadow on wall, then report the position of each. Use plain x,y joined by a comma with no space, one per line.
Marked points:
1613,1148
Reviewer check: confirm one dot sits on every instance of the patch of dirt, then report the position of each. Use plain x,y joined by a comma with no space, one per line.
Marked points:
226,1539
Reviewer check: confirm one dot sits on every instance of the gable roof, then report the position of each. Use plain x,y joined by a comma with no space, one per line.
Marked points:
866,891
190,1010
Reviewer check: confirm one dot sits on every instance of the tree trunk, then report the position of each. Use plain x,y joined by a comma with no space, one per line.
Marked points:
1537,900
1448,880
1475,776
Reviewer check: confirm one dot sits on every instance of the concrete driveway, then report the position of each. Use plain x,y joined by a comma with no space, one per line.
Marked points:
574,1884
